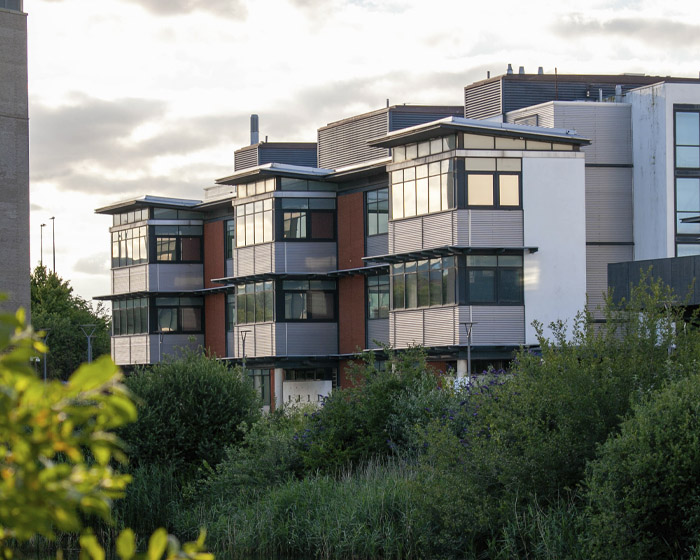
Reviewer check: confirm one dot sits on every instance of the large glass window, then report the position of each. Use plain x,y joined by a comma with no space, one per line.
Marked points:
229,238
377,212
422,189
179,314
257,187
495,279
687,172
688,139
130,316
308,218
254,223
255,302
493,189
309,300
378,297
138,215
178,243
129,247
424,283
425,148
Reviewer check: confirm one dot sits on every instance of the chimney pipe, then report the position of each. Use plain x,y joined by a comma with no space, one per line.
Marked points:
540,71
488,74
521,70
254,132
509,71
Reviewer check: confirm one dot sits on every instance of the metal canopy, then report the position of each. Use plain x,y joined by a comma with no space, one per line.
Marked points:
445,251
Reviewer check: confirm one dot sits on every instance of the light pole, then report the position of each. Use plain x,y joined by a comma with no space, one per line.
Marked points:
41,238
91,328
243,334
53,241
468,326
45,340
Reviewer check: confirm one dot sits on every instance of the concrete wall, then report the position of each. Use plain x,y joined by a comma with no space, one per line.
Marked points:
14,161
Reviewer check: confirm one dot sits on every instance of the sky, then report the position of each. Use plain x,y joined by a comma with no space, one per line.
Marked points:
135,97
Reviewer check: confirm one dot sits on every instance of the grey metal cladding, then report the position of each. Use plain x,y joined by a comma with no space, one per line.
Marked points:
377,245
306,257
229,267
518,94
598,257
545,115
244,261
403,117
263,258
306,339
438,326
175,277
406,235
483,101
608,124
437,230
496,228
495,324
609,204
345,143
377,331
293,156
259,340
246,157
406,328
460,227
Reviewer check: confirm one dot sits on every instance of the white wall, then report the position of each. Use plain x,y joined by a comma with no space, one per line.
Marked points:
652,145
555,222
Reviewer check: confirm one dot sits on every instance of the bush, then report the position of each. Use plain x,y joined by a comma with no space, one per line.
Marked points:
189,410
644,488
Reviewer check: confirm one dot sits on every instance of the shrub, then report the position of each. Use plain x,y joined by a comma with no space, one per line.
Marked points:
644,488
189,409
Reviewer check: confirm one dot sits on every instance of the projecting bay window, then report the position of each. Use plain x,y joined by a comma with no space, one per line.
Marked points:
181,244
130,316
255,302
377,204
378,297
308,219
493,190
254,223
495,279
179,314
129,247
424,283
309,300
423,189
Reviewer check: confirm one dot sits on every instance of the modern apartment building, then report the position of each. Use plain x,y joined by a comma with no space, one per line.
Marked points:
412,225
14,157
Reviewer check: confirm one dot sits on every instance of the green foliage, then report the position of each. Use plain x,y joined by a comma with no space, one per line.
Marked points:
190,409
377,416
57,309
644,488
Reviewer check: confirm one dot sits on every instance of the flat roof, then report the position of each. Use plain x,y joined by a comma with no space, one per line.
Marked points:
399,108
272,169
148,200
627,79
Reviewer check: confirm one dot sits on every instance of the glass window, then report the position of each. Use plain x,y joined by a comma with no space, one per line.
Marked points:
688,139
377,212
378,297
424,283
130,316
479,190
309,300
495,279
254,302
422,189
254,223
497,190
509,190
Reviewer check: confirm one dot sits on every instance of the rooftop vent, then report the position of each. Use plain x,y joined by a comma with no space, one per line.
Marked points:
254,131
509,71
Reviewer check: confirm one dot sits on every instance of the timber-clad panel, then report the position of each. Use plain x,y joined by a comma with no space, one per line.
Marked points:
495,325
598,257
377,330
406,235
437,230
609,204
438,326
377,245
496,228
345,143
460,226
483,101
244,261
263,258
406,327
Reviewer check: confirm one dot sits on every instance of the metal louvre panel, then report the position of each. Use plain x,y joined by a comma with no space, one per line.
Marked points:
497,325
406,327
483,101
307,257
608,125
609,205
264,339
138,278
460,226
496,228
545,115
377,245
377,330
120,281
293,156
229,267
403,117
407,235
439,326
346,142
244,261
437,230
245,158
263,258
597,260
518,94
307,339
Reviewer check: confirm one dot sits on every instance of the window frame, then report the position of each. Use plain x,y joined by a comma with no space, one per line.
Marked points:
378,286
306,213
499,272
374,214
312,288
496,191
422,278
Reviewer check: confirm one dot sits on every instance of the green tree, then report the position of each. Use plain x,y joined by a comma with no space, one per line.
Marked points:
58,310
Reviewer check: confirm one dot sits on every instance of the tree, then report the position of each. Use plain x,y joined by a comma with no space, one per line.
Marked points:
56,309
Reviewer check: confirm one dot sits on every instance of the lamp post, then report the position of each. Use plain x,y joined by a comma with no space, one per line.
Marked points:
41,241
53,241
468,326
45,340
243,334
88,331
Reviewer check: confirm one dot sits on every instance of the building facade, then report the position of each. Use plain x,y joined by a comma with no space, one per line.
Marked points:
14,157
414,225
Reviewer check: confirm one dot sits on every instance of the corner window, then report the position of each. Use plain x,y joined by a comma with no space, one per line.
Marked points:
254,223
129,247
495,279
424,283
178,243
130,316
179,315
422,189
310,219
309,300
378,297
254,303
377,211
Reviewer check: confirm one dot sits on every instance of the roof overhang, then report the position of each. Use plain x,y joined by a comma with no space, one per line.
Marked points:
148,200
274,169
445,251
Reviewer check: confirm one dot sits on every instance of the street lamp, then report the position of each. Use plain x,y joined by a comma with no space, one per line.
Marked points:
243,334
468,326
53,240
88,331
41,238
45,340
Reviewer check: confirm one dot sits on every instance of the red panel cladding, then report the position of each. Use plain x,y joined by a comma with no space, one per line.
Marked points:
439,368
214,262
351,230
351,313
215,324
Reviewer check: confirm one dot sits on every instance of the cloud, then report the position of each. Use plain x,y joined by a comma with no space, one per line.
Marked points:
662,32
234,9
97,264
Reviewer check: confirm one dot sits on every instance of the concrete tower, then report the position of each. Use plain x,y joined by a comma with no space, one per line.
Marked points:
14,157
